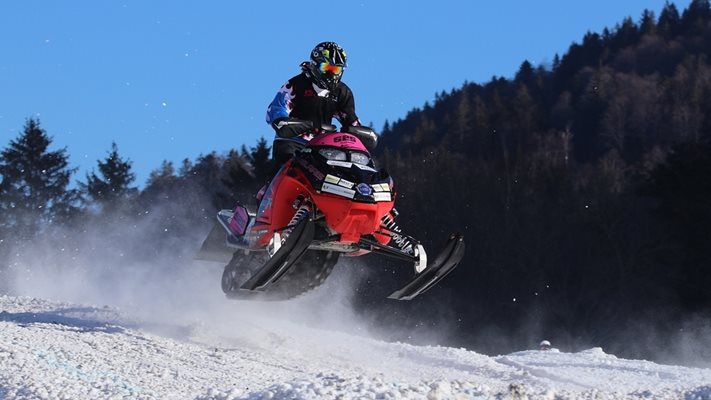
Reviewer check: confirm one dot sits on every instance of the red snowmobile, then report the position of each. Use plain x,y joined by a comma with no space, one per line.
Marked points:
328,200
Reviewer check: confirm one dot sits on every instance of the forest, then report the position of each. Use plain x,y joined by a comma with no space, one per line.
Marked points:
582,189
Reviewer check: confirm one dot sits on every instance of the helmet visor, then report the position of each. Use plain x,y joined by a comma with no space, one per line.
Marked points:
325,67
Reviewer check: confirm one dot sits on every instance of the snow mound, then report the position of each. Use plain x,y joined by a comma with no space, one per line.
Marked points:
54,350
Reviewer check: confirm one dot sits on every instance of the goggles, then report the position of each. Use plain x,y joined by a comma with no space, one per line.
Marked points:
325,67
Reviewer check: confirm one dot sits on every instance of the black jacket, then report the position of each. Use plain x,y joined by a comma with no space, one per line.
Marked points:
299,100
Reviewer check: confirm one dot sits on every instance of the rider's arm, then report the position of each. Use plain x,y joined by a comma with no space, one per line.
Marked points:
349,120
346,114
278,114
290,127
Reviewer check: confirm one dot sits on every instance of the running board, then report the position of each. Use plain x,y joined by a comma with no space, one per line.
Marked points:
445,262
288,254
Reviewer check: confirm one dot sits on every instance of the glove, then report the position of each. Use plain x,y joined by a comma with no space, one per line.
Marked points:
291,127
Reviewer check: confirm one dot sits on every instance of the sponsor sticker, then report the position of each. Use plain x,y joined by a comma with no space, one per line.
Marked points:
338,190
332,179
364,189
344,164
365,168
381,187
382,196
346,183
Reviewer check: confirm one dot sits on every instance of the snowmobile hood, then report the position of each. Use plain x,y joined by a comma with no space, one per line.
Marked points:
339,139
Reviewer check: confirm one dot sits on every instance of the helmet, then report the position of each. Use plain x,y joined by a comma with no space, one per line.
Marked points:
328,60
544,345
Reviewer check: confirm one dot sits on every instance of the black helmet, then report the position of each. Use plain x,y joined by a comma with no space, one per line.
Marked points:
328,60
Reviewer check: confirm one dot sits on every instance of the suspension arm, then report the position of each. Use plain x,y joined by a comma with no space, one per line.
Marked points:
376,247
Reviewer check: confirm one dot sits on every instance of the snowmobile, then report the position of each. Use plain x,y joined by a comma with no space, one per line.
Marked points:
328,200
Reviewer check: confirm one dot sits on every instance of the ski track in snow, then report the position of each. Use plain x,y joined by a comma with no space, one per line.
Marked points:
57,350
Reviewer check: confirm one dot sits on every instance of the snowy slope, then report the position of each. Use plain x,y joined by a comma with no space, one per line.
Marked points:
60,350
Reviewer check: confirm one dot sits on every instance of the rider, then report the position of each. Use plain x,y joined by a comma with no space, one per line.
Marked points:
309,101
306,105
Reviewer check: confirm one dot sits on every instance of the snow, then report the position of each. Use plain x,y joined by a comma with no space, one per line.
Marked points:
75,328
64,350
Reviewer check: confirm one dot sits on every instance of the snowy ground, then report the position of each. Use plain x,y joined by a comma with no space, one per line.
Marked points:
75,328
60,350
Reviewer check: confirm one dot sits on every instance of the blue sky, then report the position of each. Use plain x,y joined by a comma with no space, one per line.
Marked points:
169,80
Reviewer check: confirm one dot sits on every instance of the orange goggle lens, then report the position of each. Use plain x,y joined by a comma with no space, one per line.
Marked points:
334,69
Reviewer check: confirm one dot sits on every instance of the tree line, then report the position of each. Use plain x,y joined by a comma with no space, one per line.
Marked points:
38,201
582,188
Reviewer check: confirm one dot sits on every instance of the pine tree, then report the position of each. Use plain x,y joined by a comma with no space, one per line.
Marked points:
114,181
260,160
206,174
161,180
237,176
626,34
647,24
669,21
463,120
525,74
186,169
34,190
696,17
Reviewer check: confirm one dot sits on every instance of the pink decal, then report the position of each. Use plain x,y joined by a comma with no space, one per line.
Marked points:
339,139
239,220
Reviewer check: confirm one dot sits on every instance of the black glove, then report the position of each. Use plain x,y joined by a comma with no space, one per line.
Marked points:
290,127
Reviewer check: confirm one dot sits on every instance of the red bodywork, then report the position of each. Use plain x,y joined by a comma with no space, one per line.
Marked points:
349,218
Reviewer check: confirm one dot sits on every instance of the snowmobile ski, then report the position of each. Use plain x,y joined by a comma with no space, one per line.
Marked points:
445,262
288,254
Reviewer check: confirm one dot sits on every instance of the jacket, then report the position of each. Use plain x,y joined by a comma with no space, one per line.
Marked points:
300,99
